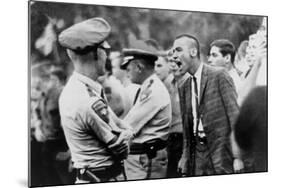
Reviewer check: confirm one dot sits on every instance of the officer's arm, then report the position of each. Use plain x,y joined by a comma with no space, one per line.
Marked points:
119,122
101,129
118,144
142,112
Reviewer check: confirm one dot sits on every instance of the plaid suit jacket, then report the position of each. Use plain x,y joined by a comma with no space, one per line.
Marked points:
218,110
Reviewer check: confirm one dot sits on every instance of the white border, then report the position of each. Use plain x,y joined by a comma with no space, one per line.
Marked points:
13,93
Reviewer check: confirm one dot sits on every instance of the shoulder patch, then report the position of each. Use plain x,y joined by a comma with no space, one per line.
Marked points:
101,109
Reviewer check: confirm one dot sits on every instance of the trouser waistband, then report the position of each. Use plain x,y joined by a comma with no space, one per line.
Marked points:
99,174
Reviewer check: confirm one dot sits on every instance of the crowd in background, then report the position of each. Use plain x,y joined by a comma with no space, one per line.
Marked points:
50,157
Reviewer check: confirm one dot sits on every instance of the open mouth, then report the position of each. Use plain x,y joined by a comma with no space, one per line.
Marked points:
177,62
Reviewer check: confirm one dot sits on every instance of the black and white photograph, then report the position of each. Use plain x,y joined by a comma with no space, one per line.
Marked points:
121,93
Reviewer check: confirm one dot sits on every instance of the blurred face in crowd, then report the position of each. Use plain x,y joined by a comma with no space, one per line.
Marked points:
116,71
217,59
174,68
54,81
162,68
36,85
183,53
134,71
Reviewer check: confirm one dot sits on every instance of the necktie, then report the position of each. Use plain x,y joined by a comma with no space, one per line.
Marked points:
195,105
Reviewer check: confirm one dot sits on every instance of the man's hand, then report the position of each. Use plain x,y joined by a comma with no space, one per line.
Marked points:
63,156
120,147
238,166
125,135
256,54
182,166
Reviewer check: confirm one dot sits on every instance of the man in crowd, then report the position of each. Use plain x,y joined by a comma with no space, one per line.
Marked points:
162,68
209,108
222,54
149,117
97,139
129,88
164,71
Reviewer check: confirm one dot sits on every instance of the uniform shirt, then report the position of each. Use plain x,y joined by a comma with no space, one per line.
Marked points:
151,114
86,122
176,123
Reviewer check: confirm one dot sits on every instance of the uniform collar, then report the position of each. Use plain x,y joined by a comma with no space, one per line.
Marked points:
148,81
87,81
151,77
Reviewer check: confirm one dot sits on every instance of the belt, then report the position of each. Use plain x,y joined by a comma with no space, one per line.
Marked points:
201,139
175,136
99,174
150,147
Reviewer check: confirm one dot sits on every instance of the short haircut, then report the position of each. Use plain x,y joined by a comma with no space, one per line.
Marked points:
147,63
226,47
82,57
195,43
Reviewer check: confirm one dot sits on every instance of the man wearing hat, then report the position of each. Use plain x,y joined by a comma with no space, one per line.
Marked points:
97,139
149,117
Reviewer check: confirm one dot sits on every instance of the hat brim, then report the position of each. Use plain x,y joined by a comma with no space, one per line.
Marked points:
131,54
126,62
105,45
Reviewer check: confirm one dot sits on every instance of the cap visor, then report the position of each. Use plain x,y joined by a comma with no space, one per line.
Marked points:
105,45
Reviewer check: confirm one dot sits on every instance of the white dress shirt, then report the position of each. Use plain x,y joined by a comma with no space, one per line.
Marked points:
198,76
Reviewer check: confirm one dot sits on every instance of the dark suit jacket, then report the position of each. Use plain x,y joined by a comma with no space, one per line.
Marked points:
218,110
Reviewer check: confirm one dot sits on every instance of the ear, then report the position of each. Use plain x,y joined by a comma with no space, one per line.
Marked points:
193,52
228,58
140,67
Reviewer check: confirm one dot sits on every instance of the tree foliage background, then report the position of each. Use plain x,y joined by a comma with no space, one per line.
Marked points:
130,23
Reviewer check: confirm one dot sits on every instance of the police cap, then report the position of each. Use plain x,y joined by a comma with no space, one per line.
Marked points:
84,36
140,51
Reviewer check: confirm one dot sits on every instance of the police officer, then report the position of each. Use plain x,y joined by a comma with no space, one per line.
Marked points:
97,139
149,117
